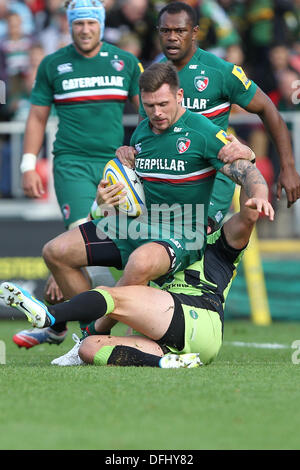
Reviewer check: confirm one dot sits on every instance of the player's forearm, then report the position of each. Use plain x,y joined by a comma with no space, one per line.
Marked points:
275,126
279,133
245,174
34,135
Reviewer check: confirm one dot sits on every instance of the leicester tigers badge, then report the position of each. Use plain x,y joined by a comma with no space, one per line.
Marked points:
201,83
117,64
183,144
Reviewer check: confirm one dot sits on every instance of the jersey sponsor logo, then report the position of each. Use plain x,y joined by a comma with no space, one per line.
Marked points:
160,164
193,66
221,135
91,82
194,103
117,64
65,68
177,129
201,83
183,144
240,74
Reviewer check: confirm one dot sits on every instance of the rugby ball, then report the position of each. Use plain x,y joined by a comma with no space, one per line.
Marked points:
115,172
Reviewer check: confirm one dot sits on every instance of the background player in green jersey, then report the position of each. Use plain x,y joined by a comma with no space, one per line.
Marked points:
211,85
177,325
88,82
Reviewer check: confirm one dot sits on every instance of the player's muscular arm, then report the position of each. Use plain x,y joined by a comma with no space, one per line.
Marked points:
253,201
288,178
246,175
33,140
135,100
35,129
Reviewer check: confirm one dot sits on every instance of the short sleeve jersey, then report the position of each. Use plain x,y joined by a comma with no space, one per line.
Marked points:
179,165
89,95
211,85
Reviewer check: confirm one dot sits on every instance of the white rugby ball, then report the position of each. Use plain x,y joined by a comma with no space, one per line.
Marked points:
116,172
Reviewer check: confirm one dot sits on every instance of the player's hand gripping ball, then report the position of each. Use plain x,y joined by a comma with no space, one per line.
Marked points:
115,172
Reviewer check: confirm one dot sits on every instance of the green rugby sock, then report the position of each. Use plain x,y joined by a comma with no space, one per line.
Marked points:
90,330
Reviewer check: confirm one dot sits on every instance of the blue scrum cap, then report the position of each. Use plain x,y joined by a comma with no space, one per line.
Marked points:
86,9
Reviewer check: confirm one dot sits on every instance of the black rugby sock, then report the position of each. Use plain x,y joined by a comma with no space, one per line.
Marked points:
87,306
127,356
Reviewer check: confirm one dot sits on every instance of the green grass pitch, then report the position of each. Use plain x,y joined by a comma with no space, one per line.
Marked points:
247,399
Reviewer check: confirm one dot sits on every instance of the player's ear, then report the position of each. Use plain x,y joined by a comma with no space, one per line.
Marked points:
195,32
180,95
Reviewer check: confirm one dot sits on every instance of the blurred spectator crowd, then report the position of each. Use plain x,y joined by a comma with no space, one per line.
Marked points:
263,36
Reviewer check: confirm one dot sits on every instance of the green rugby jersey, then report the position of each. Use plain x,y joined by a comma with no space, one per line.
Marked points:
211,85
89,95
179,165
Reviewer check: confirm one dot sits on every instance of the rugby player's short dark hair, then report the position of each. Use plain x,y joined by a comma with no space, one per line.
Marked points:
157,75
177,7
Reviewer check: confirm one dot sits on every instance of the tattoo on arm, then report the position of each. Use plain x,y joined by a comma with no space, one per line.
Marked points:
245,174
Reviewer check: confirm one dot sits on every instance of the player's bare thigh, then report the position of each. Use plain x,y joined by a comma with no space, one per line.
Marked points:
66,249
145,309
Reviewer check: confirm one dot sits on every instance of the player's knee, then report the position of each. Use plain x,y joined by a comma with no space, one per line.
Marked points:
89,347
54,252
49,252
140,266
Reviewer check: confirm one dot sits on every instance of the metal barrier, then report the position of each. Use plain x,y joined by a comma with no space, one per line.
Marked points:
29,209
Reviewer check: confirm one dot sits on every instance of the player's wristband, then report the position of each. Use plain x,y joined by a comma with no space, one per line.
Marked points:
95,211
28,162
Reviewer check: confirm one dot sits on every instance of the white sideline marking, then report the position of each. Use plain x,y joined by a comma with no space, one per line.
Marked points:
258,345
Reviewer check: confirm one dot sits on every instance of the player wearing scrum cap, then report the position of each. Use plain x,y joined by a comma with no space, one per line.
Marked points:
88,82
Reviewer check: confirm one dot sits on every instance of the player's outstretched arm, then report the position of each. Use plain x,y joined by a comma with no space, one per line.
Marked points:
253,202
248,176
